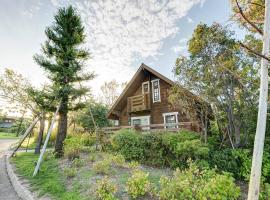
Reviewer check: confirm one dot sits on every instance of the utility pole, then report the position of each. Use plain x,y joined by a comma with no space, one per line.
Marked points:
255,176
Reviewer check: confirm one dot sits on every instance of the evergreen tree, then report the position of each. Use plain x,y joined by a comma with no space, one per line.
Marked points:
63,60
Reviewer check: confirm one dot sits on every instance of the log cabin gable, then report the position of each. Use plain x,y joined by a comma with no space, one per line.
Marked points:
145,88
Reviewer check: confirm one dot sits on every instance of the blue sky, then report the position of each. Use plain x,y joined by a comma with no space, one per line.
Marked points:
120,34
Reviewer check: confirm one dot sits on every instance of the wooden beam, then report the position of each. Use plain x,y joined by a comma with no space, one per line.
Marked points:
26,133
46,141
255,175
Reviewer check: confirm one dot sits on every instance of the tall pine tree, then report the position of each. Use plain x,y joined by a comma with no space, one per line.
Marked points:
63,59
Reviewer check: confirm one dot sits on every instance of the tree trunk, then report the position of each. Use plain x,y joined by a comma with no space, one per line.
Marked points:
255,175
61,134
40,134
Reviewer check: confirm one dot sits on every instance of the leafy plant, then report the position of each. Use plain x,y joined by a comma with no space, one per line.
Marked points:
197,184
138,184
72,148
118,160
133,164
160,149
92,157
102,167
128,143
70,172
105,189
77,162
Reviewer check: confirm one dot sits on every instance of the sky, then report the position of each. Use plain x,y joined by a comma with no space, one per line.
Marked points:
121,34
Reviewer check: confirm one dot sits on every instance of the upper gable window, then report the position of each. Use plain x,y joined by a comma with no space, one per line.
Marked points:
156,90
145,87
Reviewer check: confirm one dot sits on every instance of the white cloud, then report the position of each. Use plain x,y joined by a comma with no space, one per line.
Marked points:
120,32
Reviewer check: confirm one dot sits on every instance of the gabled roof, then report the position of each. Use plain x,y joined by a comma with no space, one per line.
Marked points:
136,80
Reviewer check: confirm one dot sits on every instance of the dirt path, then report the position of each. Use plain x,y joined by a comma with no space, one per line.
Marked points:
6,190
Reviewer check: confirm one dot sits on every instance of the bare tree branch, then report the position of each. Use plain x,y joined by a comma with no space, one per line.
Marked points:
253,51
247,20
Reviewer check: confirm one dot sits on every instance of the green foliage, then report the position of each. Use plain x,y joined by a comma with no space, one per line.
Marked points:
92,157
70,172
99,112
118,160
105,189
216,57
133,164
196,184
138,184
103,166
72,147
63,59
128,143
77,162
87,139
160,149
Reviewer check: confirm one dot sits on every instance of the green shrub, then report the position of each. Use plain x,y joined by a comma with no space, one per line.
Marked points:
118,160
70,172
154,152
138,184
219,187
133,165
102,167
197,184
243,158
87,139
105,189
128,143
72,148
92,157
77,162
160,149
224,161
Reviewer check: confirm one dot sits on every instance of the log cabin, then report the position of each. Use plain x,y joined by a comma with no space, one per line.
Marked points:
145,102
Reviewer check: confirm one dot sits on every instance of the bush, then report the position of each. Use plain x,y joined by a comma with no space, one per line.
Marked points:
197,184
105,190
118,160
70,172
72,148
160,149
87,139
102,167
77,162
224,161
92,157
138,184
128,143
133,165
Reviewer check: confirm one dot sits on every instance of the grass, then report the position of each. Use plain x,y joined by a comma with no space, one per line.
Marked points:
50,178
8,135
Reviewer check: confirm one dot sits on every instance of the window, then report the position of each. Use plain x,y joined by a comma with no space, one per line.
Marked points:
142,120
170,120
145,87
155,90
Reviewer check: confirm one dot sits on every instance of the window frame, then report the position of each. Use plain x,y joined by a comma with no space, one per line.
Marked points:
169,114
153,97
144,83
141,117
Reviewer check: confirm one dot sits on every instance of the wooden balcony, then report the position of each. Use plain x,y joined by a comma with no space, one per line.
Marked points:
138,103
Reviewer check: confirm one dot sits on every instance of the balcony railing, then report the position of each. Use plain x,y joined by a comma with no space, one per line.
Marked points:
138,103
194,126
